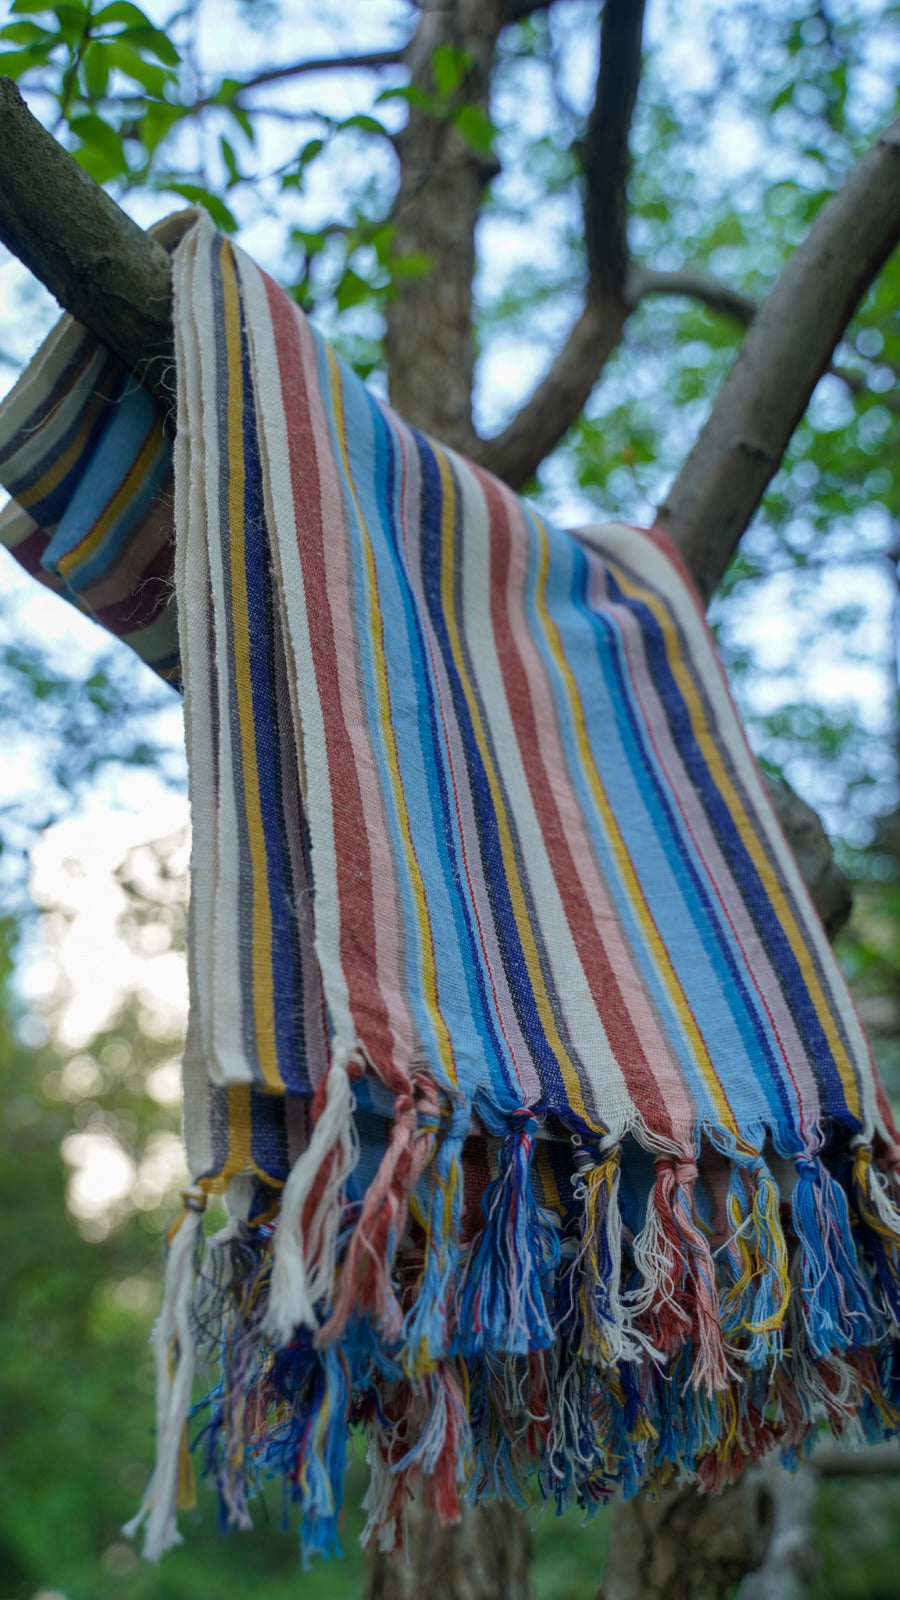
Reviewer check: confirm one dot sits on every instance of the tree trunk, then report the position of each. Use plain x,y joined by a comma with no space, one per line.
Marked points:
485,1557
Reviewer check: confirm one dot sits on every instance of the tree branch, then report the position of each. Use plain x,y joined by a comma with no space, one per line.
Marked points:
604,150
728,302
516,453
786,351
429,344
683,281
374,61
98,263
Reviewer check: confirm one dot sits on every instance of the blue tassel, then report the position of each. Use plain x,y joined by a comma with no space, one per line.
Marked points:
503,1305
425,1334
835,1299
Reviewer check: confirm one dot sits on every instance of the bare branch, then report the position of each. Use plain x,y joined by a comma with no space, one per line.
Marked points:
374,61
831,1461
604,150
786,351
682,281
728,302
98,263
517,10
516,453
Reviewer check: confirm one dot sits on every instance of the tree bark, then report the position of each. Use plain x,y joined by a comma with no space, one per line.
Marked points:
429,343
72,236
485,1557
788,347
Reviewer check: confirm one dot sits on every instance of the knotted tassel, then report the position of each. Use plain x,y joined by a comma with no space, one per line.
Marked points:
426,1331
606,1335
503,1295
835,1298
171,1486
305,1246
678,1299
755,1305
365,1287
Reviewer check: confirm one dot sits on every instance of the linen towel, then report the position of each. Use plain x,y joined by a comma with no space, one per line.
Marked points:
553,1149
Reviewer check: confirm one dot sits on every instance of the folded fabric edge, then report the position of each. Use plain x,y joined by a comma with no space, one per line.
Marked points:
750,1292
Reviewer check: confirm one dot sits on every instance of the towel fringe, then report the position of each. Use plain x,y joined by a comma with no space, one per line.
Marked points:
608,1357
171,1485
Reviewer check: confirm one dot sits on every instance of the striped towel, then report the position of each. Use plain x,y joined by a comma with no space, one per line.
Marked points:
552,1146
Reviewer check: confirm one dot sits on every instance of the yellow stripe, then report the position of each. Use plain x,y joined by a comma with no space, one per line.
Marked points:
135,480
632,886
507,850
261,921
376,636
59,465
749,836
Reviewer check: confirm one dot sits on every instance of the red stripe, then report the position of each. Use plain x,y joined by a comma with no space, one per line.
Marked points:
352,854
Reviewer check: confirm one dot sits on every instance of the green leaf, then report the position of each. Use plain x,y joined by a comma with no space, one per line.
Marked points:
196,195
351,291
364,124
448,68
475,126
230,159
414,265
153,40
72,20
30,7
244,122
95,67
14,63
27,33
158,120
410,92
101,148
155,79
122,11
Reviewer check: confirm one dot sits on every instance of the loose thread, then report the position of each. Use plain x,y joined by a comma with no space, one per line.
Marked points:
605,1332
364,1287
305,1247
175,1359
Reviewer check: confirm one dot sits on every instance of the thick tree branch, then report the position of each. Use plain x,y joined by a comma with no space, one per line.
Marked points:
98,263
604,150
429,344
516,453
786,351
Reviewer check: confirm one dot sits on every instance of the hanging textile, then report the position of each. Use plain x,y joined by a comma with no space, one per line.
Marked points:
553,1149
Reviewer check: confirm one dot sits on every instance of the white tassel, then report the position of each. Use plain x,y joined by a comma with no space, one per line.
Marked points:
303,1262
172,1340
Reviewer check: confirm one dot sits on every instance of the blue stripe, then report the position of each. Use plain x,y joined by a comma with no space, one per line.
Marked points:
756,899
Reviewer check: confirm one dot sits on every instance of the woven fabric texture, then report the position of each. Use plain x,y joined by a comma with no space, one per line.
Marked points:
553,1148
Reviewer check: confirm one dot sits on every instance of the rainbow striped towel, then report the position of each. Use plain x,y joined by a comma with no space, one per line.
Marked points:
552,1145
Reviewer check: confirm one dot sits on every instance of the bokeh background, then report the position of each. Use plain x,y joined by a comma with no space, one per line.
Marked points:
750,112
